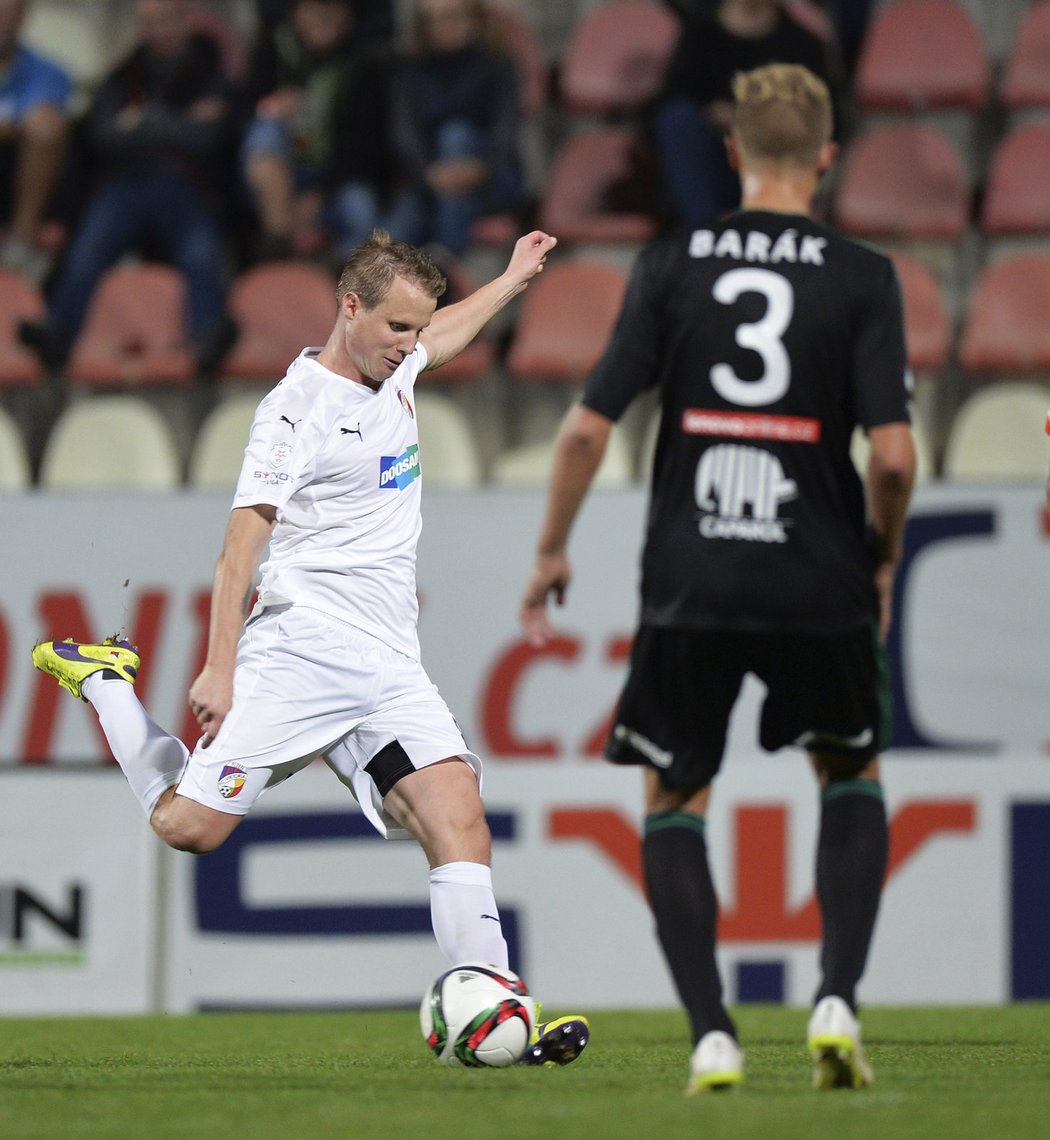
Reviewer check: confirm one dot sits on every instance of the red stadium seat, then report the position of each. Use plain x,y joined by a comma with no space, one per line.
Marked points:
616,56
1016,199
1005,329
19,301
920,55
1026,74
588,172
904,181
926,325
134,332
552,341
280,307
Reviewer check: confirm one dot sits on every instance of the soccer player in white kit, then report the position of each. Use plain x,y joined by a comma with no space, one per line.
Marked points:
327,663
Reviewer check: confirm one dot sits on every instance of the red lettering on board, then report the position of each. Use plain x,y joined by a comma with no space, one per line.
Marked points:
498,698
761,912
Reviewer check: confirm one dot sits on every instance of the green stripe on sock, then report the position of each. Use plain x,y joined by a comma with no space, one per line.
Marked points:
658,820
857,787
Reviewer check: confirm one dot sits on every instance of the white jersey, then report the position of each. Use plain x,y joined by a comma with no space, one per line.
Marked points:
340,462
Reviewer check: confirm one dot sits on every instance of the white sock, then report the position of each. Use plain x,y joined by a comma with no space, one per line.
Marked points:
463,911
150,758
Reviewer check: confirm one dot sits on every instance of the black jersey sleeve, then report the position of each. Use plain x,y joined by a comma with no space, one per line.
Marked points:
880,365
630,363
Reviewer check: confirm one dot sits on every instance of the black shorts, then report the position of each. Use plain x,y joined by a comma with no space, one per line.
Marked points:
827,692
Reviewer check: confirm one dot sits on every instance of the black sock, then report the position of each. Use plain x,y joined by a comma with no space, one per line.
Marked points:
683,901
851,864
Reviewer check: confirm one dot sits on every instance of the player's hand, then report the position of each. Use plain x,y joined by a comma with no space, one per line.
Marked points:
529,256
550,576
211,696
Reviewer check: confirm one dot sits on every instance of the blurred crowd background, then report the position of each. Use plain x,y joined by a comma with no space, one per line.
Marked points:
180,181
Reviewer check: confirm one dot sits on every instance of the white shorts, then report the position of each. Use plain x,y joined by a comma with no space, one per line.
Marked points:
307,686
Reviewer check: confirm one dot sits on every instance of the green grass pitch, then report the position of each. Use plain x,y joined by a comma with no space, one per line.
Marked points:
955,1073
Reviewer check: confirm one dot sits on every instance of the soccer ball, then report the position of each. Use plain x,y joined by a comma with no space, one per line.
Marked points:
477,1016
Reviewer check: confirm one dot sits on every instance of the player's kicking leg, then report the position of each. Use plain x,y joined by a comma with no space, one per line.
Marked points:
153,760
440,805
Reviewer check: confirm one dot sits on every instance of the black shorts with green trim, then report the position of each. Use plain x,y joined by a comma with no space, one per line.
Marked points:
827,693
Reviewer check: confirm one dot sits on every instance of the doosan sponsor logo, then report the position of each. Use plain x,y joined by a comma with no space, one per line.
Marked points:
399,472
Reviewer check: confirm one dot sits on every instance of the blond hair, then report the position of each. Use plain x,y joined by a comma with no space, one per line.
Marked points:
782,114
376,262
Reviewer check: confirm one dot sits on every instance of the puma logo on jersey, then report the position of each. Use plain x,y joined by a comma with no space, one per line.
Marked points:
353,431
291,423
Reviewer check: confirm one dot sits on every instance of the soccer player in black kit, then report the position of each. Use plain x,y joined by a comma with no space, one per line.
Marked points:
769,337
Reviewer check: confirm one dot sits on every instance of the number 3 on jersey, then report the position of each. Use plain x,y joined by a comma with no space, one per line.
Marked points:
762,336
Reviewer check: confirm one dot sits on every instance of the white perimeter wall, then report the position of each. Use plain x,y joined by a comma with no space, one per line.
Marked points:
304,907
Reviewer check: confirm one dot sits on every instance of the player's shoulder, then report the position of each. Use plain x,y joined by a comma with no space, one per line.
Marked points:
866,269
857,248
662,258
300,391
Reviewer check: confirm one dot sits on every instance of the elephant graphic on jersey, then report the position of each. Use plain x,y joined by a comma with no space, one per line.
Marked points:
738,483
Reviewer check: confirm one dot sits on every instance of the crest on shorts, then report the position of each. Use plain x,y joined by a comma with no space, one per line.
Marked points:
231,780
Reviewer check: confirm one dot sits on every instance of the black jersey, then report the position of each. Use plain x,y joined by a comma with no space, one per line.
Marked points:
769,337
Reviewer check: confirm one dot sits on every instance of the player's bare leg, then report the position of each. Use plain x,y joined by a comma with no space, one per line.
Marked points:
440,806
189,826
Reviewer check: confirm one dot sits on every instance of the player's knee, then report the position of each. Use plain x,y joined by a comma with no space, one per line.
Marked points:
190,829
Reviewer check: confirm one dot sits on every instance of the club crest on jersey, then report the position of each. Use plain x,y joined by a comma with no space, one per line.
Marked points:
405,403
401,471
231,780
280,453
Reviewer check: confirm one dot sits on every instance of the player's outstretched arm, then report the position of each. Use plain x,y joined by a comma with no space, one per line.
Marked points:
247,533
451,329
891,475
581,445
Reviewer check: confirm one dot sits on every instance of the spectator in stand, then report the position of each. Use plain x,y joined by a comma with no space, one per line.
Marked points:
34,122
316,153
158,131
851,19
376,20
692,114
456,125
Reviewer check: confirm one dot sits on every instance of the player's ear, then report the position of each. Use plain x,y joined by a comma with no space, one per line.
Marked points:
351,304
829,152
732,152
